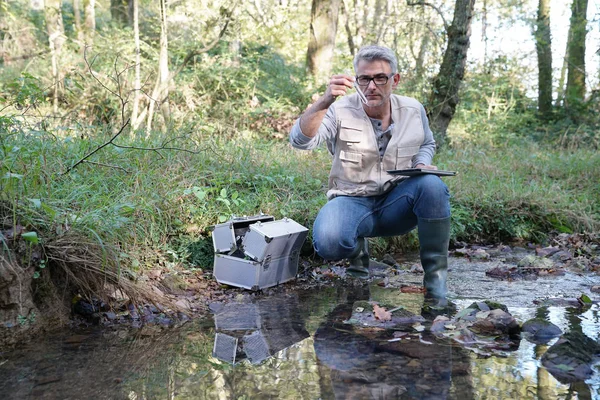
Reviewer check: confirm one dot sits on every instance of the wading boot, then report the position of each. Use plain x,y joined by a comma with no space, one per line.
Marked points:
359,264
434,236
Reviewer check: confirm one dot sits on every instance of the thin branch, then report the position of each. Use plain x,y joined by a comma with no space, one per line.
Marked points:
97,148
429,28
8,58
162,147
106,165
206,48
89,65
437,9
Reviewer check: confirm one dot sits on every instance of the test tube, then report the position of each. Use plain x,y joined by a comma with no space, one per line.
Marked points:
362,96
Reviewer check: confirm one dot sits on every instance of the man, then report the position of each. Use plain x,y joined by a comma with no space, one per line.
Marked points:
386,132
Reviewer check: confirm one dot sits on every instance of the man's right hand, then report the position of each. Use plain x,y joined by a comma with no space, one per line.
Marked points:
338,86
311,119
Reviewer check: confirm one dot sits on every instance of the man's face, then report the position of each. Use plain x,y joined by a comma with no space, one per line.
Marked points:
377,94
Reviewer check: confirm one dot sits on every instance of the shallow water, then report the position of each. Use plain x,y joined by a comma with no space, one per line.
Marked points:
295,345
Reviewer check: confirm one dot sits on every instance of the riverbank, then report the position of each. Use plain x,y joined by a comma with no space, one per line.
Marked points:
167,297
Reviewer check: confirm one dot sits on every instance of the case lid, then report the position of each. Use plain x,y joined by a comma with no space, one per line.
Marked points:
274,239
225,347
227,236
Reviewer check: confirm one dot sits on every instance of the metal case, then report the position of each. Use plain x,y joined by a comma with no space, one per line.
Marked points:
260,253
227,236
258,330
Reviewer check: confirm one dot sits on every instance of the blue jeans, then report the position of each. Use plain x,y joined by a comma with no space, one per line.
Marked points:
344,218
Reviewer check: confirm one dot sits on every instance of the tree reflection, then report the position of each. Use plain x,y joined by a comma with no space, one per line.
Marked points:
362,363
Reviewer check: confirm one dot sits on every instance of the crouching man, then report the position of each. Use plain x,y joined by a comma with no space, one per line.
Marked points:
368,137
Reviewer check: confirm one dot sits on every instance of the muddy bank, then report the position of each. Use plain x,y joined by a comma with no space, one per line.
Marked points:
566,268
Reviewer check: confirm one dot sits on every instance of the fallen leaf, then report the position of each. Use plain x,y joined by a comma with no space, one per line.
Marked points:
585,299
381,313
412,289
564,367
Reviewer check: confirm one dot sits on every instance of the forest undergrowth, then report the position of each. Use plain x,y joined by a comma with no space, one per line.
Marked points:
93,201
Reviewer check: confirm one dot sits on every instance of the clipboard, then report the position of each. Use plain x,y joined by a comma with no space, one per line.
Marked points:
421,171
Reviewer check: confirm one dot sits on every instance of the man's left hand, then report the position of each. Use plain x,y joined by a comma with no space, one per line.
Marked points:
423,166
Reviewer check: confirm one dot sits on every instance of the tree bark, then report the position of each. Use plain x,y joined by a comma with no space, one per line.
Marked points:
323,29
121,11
78,26
349,33
444,97
137,79
484,36
544,53
89,9
160,93
560,90
56,39
575,92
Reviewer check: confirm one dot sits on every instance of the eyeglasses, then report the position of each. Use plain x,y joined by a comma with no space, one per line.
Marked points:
379,80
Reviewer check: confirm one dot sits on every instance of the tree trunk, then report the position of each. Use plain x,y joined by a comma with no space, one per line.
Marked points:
444,97
56,39
323,28
484,36
377,28
160,93
575,92
560,90
137,79
425,35
544,54
121,10
78,26
349,33
89,9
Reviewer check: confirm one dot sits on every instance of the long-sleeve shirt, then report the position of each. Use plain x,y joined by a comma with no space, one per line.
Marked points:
328,131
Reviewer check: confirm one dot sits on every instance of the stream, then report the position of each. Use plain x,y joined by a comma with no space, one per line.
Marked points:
292,343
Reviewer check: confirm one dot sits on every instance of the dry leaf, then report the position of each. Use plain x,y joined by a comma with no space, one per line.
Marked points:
412,289
381,313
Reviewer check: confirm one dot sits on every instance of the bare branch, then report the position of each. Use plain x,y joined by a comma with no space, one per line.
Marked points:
206,48
161,147
437,9
97,148
106,165
89,65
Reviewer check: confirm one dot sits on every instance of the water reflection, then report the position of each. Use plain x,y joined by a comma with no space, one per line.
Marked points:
258,330
307,352
364,363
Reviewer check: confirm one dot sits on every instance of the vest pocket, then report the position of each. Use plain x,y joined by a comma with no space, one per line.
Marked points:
349,136
404,156
348,188
350,166
351,157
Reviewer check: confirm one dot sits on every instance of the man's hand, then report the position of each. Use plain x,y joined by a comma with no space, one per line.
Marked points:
338,86
423,166
313,116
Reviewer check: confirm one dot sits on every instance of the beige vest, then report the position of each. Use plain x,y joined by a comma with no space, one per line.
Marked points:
358,169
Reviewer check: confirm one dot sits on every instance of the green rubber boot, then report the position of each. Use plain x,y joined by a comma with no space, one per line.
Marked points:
434,237
359,265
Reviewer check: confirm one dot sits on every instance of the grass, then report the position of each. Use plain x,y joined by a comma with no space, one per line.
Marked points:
153,205
130,209
522,191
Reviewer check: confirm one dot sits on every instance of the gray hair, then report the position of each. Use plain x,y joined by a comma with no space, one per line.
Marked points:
373,53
